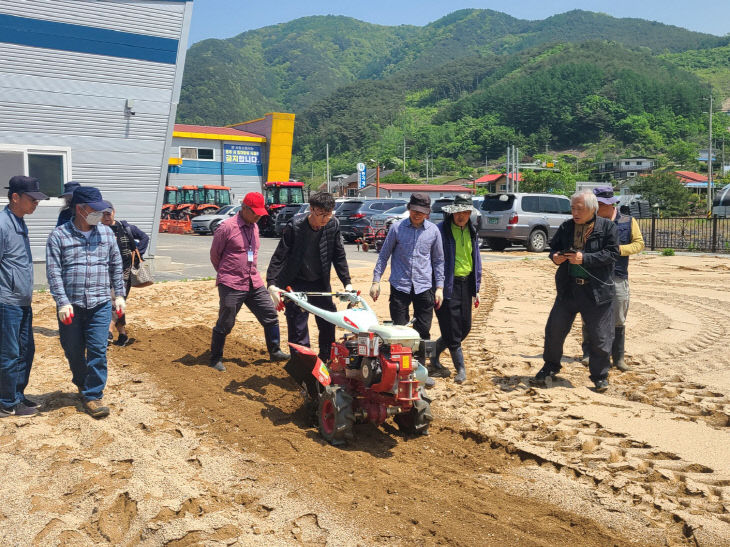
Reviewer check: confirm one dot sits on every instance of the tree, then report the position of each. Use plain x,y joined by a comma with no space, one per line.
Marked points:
666,190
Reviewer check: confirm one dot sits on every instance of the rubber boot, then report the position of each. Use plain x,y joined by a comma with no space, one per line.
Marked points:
218,340
273,339
457,356
585,346
437,370
617,349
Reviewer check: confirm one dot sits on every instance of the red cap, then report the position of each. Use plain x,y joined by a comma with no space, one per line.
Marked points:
255,202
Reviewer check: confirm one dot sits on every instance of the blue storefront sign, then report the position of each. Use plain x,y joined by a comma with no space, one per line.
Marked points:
361,175
242,153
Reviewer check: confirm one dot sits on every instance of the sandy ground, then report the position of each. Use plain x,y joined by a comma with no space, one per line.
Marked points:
191,456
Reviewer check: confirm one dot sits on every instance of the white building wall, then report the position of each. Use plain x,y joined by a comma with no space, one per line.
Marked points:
75,101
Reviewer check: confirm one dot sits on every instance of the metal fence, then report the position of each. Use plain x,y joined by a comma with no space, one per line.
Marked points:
687,233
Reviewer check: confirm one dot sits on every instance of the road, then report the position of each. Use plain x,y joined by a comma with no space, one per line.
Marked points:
187,256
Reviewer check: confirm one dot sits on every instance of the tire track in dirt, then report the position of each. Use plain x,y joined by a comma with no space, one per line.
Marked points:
668,490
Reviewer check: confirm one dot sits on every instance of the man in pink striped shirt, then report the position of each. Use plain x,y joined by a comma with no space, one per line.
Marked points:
234,254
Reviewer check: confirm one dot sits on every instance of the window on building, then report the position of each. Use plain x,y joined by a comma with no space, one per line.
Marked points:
639,163
627,163
50,166
191,153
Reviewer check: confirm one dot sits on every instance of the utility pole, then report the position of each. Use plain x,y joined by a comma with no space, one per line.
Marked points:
486,165
517,168
426,167
507,170
404,154
709,164
328,168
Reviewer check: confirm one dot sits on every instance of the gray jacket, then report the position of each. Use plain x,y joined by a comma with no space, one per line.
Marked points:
16,261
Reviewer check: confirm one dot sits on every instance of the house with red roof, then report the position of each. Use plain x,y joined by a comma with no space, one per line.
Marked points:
497,183
242,156
389,190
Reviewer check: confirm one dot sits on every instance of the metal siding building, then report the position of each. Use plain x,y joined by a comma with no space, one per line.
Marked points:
89,92
242,156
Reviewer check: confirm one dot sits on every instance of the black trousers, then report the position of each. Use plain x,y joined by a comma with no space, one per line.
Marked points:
230,302
599,323
297,319
422,310
454,315
121,321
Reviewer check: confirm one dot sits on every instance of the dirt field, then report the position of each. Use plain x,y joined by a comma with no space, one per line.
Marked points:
191,456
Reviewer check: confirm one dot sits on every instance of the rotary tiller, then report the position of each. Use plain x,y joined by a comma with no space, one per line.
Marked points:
373,373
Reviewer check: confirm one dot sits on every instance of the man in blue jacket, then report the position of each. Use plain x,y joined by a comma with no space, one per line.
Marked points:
17,346
462,279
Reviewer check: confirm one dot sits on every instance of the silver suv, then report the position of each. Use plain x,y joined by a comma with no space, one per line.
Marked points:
526,219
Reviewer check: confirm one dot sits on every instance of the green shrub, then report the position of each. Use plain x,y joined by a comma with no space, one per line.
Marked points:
668,252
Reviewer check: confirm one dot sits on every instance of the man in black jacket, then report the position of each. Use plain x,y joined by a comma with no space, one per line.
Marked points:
585,248
308,249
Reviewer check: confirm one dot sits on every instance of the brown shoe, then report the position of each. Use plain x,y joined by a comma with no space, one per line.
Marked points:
96,409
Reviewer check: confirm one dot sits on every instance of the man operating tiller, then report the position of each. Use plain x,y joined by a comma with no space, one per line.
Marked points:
308,249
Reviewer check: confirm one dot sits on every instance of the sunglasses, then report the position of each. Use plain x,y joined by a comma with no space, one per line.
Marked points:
604,194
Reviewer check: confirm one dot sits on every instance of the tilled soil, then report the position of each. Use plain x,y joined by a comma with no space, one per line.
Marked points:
192,456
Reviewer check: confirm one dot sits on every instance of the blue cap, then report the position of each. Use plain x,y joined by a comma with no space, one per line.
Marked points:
69,187
88,195
20,184
604,194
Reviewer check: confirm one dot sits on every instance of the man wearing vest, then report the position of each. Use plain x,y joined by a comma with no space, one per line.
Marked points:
630,242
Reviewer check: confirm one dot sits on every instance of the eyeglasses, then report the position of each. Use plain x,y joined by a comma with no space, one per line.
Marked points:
321,213
604,194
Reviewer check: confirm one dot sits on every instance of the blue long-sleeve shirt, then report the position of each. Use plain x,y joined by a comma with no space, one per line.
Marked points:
418,257
16,262
80,270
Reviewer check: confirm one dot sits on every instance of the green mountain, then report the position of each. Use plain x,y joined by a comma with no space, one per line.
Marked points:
294,65
564,95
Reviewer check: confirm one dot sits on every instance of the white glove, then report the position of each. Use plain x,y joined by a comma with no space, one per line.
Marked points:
120,305
348,288
275,293
375,291
438,297
66,313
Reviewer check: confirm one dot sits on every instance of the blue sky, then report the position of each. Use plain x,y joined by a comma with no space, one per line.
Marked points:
226,18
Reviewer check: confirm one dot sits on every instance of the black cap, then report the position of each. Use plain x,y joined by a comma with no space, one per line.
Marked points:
69,187
420,202
20,184
90,196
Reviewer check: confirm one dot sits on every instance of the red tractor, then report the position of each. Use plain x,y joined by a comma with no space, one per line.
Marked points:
201,200
279,197
170,202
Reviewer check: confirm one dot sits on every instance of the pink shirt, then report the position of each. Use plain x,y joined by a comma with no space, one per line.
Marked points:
229,254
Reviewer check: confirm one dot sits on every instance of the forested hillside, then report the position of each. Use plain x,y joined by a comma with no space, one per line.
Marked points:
466,86
292,65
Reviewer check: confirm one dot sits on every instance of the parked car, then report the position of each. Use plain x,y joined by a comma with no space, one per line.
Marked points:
384,219
527,219
208,224
288,213
354,214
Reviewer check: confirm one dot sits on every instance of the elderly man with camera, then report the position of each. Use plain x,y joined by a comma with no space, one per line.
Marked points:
585,248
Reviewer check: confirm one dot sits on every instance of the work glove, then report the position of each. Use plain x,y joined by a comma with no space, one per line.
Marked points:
348,288
438,297
66,314
120,305
375,291
275,293
475,301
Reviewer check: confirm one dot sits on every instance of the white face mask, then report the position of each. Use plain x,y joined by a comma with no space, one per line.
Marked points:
93,218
